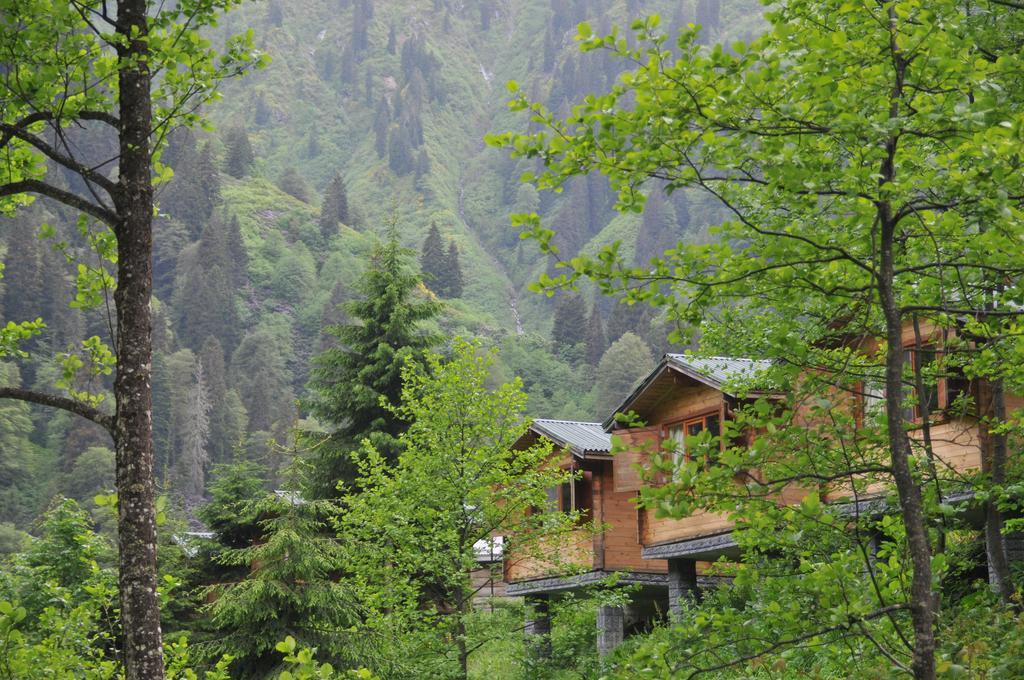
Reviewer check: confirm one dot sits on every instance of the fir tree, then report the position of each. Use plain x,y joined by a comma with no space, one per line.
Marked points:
570,322
239,157
452,272
432,259
350,381
237,257
381,127
392,39
659,229
348,67
195,455
368,84
261,111
334,209
362,14
400,154
204,290
596,340
294,592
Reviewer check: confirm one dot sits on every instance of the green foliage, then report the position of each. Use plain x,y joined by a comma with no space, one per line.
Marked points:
291,591
239,157
231,512
837,154
354,384
409,535
626,362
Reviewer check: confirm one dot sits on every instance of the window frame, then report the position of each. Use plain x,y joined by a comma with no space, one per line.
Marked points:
681,453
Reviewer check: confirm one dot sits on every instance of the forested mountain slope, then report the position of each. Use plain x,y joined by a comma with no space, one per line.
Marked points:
370,117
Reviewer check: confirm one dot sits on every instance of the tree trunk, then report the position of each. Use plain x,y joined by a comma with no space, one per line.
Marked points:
922,600
133,435
462,609
923,603
995,447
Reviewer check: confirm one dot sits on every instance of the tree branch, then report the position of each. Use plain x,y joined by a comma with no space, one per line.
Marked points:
63,403
87,173
34,186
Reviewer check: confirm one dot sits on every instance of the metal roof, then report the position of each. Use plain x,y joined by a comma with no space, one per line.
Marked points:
720,373
719,370
579,437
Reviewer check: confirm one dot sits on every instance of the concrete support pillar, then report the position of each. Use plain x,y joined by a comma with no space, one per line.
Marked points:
538,626
611,628
682,582
1015,547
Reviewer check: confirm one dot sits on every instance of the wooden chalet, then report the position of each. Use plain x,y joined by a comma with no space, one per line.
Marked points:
593,555
682,397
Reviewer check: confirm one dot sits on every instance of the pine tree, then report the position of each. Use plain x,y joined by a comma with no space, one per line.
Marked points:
570,322
453,273
195,455
204,290
334,209
239,158
596,340
237,257
433,260
400,154
381,127
294,592
350,380
392,39
368,84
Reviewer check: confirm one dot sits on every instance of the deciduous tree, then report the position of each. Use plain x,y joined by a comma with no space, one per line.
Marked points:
112,68
864,197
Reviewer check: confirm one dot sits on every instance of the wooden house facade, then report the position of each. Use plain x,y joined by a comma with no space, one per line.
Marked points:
682,397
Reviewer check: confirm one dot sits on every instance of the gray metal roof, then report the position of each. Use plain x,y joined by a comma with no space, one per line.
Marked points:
579,437
720,370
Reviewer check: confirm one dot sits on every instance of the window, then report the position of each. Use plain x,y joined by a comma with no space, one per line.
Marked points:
678,433
576,494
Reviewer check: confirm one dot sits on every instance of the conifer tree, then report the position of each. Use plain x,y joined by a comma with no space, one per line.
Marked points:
195,455
334,209
294,592
570,322
368,84
392,39
596,340
239,157
349,381
261,111
452,272
400,154
433,259
237,257
204,290
381,127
